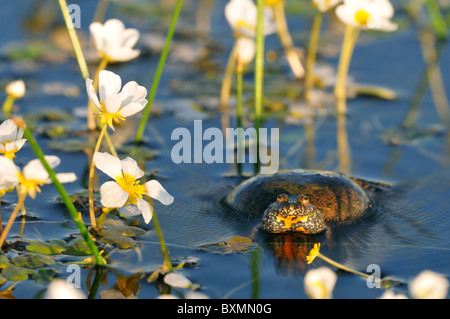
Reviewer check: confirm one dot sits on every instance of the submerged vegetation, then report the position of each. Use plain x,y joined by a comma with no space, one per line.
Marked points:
117,135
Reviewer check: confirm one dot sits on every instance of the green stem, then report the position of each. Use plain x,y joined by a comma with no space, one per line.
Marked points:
228,77
437,20
239,121
7,105
312,52
351,34
259,75
161,63
65,198
91,179
162,243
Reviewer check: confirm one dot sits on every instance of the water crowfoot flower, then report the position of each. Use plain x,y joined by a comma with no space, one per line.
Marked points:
358,15
113,41
29,180
115,106
11,140
14,91
322,7
429,285
126,188
319,283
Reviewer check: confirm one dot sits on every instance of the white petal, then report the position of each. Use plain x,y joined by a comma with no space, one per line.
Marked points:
132,92
146,210
66,177
130,167
96,29
15,145
156,191
112,195
245,49
91,93
8,173
112,103
177,280
129,210
132,109
34,170
108,164
109,84
8,131
130,37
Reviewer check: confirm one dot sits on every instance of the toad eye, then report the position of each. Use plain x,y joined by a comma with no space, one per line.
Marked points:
303,199
282,198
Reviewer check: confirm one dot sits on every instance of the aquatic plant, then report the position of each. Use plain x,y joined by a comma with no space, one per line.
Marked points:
322,7
428,285
126,189
114,107
114,42
358,15
30,179
11,140
319,283
14,90
242,16
159,70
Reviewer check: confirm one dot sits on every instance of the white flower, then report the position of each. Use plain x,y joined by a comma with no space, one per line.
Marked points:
389,294
115,106
325,5
8,175
113,41
11,139
429,285
242,16
32,177
319,283
126,188
16,89
177,280
367,14
59,289
245,50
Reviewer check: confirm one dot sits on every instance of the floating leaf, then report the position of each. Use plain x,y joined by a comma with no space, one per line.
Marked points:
119,240
139,153
44,276
30,260
123,230
70,145
14,273
42,247
78,247
2,280
240,243
4,261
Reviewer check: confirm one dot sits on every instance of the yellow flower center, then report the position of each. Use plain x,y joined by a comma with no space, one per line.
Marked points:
271,2
323,290
362,17
29,186
245,24
109,118
132,186
8,154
